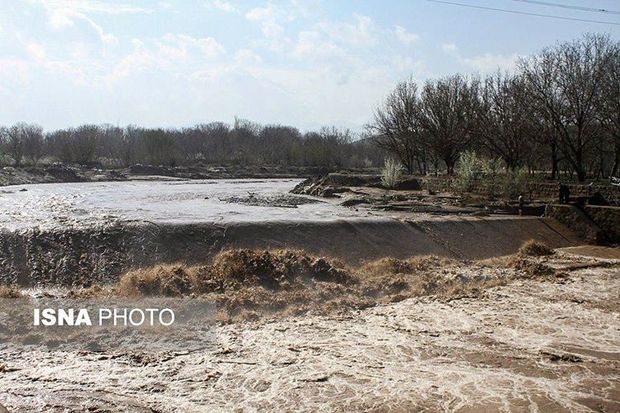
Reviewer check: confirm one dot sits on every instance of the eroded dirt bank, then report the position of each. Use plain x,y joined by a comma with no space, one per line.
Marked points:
548,344
60,173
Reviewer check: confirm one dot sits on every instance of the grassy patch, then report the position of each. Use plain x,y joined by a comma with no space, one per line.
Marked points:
10,292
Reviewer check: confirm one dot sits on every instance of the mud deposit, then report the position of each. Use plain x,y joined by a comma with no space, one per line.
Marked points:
536,344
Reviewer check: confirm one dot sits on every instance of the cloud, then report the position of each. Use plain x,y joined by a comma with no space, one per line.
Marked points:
106,38
486,62
489,62
64,13
409,64
13,69
271,20
135,62
361,33
36,51
180,46
261,13
247,57
268,18
173,51
404,36
89,6
225,6
310,45
61,18
448,47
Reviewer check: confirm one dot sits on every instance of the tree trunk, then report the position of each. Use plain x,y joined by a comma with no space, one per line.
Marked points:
554,161
450,165
579,168
614,170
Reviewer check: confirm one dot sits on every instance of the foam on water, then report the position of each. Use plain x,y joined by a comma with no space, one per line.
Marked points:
88,203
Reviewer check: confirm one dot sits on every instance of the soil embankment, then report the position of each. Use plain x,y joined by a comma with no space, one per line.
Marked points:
60,173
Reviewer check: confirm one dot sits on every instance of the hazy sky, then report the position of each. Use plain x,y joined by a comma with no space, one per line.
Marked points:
300,62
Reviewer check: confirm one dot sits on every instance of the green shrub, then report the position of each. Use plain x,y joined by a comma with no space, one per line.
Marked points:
491,175
492,169
468,171
391,173
515,182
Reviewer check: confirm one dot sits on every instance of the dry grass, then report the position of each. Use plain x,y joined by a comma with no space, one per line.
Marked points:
531,269
534,248
248,284
233,270
274,269
162,280
395,266
10,292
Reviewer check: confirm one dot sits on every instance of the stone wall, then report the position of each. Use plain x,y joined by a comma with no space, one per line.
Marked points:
608,219
537,190
595,224
549,190
576,220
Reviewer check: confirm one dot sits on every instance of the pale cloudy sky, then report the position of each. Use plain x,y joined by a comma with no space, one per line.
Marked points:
300,62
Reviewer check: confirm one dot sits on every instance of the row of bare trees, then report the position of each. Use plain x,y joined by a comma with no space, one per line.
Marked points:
244,143
559,110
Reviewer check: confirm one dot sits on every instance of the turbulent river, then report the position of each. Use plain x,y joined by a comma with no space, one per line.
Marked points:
177,202
84,233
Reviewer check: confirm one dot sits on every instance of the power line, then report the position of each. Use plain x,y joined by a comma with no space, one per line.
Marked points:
523,12
566,6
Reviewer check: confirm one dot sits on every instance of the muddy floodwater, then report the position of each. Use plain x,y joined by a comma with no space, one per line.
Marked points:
93,232
537,346
179,202
519,333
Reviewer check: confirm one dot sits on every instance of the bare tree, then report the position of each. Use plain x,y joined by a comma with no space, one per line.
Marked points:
334,140
566,82
15,141
448,108
396,127
608,104
33,143
129,150
505,122
277,144
4,133
160,147
84,142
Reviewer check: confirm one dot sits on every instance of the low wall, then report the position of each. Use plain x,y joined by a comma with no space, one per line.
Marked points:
89,256
538,190
549,190
608,219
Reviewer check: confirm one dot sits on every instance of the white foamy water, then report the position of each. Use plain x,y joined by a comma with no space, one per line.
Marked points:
92,203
